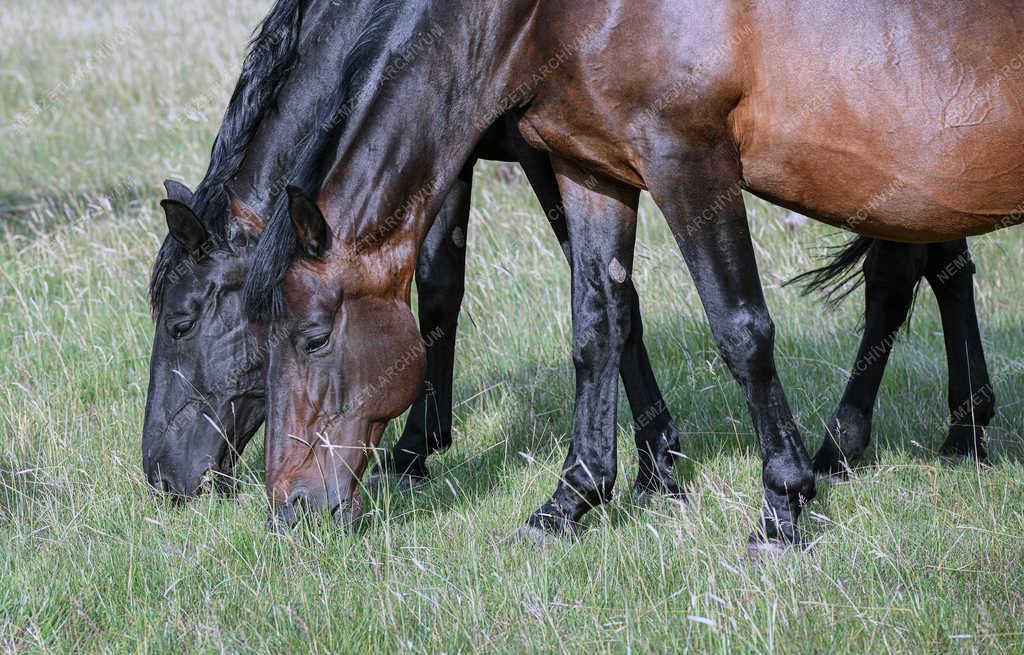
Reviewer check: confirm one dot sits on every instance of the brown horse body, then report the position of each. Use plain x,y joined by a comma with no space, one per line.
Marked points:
900,122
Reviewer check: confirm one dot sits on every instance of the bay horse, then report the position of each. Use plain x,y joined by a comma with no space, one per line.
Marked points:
207,369
745,96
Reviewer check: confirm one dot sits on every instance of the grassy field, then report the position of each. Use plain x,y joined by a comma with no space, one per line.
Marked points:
98,104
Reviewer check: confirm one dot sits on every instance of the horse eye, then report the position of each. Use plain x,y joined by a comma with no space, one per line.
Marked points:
317,343
181,329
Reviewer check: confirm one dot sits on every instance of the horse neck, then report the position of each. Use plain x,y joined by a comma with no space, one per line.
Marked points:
445,75
328,34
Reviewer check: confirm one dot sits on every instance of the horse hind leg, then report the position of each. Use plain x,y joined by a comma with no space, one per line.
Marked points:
971,398
891,274
655,432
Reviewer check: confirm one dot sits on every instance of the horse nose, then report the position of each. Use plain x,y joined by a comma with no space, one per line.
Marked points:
305,506
285,516
169,483
159,484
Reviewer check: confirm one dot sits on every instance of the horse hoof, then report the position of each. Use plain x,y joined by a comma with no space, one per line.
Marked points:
532,536
953,459
410,483
643,492
761,549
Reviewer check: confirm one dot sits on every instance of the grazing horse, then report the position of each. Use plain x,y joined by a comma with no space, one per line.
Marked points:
894,121
206,391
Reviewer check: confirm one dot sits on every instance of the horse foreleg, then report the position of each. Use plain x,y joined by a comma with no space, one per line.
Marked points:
601,219
655,432
891,272
972,403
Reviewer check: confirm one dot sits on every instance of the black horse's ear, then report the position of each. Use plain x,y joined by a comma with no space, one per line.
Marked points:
310,226
184,225
178,192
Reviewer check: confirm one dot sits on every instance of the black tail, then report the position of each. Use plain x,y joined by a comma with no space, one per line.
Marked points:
841,276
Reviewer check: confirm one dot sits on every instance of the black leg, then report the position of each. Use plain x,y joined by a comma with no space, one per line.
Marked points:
440,286
601,217
655,432
972,402
703,202
891,273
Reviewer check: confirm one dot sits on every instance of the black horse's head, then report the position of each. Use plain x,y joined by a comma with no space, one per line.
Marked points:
206,388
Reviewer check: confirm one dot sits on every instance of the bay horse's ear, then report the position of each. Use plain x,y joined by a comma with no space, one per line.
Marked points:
178,191
184,225
310,226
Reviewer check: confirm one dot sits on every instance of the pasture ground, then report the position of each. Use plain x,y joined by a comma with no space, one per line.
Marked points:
100,101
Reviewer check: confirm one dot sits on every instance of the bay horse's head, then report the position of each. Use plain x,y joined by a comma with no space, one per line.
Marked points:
206,383
345,357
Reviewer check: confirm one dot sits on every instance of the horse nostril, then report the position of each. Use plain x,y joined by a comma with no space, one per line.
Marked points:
345,514
283,517
158,484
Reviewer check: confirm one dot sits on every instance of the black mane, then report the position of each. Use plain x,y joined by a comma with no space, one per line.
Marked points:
276,249
272,53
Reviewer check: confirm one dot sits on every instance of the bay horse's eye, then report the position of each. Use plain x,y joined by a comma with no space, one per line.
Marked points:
317,343
181,329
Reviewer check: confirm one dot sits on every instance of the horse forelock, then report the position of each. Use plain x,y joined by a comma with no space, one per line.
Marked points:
272,53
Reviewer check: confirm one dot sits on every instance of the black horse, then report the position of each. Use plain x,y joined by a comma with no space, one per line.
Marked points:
891,274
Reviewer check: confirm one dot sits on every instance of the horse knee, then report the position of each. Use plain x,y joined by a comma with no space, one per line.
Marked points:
747,342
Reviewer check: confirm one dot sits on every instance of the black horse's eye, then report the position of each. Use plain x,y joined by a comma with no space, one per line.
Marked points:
180,329
317,343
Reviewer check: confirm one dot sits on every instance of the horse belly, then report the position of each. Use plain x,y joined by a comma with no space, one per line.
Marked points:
885,136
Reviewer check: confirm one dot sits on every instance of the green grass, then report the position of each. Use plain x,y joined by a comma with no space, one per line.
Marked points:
98,105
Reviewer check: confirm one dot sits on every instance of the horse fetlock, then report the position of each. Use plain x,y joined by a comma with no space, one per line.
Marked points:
657,453
965,443
794,481
847,438
439,441
407,471
554,518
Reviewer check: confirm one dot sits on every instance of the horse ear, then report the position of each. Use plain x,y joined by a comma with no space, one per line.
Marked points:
245,226
184,225
310,226
178,192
